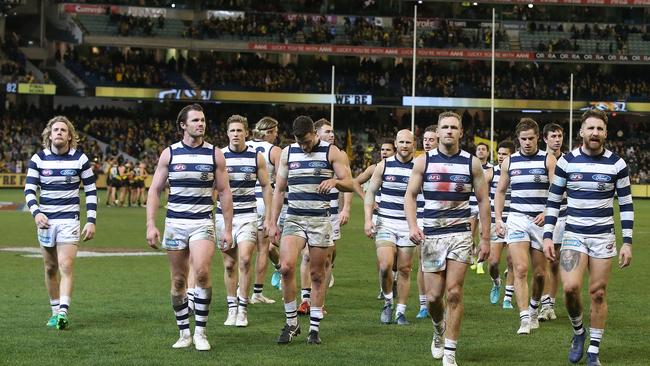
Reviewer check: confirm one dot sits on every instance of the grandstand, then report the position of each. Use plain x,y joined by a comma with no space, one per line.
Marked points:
121,71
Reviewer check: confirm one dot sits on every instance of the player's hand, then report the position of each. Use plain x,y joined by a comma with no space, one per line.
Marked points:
265,227
153,237
326,186
345,217
501,229
549,249
41,221
539,219
88,232
369,228
483,249
226,242
274,233
416,235
625,256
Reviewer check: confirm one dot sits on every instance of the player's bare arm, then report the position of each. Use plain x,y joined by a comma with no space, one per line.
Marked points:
410,199
222,186
267,193
483,199
153,197
500,196
369,200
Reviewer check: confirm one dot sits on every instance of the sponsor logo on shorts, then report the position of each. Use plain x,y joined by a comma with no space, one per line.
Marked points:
516,235
46,172
294,165
45,239
568,242
601,178
68,172
317,164
515,172
575,176
537,171
179,167
459,178
204,168
172,243
433,177
610,246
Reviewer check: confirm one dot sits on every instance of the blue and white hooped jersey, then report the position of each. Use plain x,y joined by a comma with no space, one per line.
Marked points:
590,183
473,203
242,175
191,181
334,201
264,148
496,175
58,177
447,184
528,182
564,205
394,181
306,172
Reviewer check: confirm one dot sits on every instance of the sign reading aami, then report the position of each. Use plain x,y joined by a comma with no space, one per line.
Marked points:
353,99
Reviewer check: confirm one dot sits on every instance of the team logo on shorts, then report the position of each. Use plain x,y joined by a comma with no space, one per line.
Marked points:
68,172
46,172
610,246
294,165
575,176
179,167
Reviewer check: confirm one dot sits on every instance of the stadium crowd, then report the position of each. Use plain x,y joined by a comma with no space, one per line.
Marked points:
143,134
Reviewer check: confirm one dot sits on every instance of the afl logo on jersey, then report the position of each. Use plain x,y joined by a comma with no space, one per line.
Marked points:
294,165
46,172
459,178
537,171
433,177
575,176
515,172
601,178
390,178
179,167
68,172
204,168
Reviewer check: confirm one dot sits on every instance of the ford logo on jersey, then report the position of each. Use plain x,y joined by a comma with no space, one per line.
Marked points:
247,169
204,168
294,165
575,176
459,178
179,167
46,172
67,172
317,164
601,178
537,171
433,177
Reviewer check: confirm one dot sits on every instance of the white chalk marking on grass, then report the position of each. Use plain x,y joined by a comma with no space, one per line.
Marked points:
36,253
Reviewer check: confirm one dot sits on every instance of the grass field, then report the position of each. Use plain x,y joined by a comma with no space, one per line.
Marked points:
121,314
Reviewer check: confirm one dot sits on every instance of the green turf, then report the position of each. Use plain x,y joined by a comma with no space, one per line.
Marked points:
120,312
